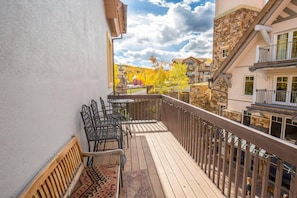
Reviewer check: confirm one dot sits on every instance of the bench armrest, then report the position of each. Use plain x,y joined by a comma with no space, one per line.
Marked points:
103,153
118,152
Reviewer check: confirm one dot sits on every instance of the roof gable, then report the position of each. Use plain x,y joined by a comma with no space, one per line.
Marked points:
270,14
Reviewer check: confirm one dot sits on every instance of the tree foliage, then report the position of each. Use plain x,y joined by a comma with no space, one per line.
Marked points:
177,76
161,80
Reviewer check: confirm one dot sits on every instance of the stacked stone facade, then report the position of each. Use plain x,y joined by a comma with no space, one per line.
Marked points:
228,29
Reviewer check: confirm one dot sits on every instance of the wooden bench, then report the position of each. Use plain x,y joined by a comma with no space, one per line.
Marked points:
67,176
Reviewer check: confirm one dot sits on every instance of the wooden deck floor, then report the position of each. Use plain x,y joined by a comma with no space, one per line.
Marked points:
172,171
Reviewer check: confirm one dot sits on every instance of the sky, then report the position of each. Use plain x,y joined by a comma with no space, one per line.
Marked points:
165,29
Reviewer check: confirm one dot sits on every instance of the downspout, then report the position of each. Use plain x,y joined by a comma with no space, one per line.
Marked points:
112,39
264,31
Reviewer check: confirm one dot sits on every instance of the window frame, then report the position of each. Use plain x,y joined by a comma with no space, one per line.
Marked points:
224,52
288,93
245,85
291,48
109,56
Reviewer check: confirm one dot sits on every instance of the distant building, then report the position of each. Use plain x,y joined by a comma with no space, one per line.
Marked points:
198,69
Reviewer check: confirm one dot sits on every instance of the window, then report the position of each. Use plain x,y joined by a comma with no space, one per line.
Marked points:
281,89
291,131
276,126
109,60
284,128
246,118
225,53
282,46
248,85
286,45
286,90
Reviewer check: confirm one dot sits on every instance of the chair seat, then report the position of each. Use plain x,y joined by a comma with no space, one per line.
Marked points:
108,133
97,181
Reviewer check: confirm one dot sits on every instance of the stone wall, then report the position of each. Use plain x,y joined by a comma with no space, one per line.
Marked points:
209,99
219,96
260,123
228,29
200,96
232,115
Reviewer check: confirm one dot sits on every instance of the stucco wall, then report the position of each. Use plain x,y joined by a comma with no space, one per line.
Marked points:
223,6
53,59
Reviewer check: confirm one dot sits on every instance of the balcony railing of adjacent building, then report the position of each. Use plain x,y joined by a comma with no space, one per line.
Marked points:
282,51
276,97
226,151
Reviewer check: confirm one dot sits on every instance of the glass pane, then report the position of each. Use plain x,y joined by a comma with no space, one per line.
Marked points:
249,85
281,89
294,90
282,46
294,45
276,129
291,133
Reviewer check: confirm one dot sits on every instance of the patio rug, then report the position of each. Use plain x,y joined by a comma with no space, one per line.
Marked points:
137,184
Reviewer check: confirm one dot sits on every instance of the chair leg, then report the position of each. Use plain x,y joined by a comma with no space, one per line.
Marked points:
121,178
88,160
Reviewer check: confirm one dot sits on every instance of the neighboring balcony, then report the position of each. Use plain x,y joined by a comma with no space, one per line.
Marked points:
281,52
227,152
276,97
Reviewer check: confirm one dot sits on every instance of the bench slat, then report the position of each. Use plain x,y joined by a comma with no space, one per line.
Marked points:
59,177
46,190
50,187
56,181
55,190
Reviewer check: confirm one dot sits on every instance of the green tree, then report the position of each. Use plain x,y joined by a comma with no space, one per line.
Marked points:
116,76
178,79
158,77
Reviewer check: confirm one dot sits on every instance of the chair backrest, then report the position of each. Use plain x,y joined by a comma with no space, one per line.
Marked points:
103,107
96,115
90,130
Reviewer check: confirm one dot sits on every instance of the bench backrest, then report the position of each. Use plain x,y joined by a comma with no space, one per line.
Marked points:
55,179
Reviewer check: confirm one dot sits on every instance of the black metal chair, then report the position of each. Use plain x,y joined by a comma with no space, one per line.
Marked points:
99,133
110,114
99,121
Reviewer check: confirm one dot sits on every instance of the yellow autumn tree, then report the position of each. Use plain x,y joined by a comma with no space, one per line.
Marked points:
178,79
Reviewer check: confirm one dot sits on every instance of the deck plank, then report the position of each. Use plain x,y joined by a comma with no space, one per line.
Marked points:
191,171
172,171
160,168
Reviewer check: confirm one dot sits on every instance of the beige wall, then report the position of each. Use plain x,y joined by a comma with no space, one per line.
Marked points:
223,6
53,59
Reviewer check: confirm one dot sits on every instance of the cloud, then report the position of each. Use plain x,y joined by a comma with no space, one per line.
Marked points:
181,32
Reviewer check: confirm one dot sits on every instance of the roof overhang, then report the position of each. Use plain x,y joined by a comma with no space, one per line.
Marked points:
116,15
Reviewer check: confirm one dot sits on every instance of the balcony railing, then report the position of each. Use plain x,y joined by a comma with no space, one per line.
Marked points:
226,151
287,98
282,51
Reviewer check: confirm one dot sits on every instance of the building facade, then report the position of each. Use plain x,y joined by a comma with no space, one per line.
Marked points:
260,73
198,69
55,56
